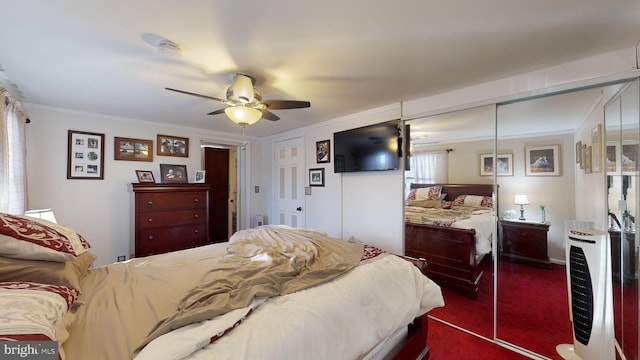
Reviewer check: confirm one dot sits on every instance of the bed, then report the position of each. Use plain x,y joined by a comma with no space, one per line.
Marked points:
453,245
338,300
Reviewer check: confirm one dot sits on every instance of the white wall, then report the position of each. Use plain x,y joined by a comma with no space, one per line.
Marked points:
99,209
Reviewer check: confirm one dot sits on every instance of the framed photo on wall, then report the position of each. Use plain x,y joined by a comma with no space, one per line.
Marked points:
542,160
172,146
323,151
596,143
85,155
504,165
132,149
316,177
173,174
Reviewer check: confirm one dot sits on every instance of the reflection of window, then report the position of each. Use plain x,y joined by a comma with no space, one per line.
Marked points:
428,167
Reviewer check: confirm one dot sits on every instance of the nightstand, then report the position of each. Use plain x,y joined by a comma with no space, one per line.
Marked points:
525,241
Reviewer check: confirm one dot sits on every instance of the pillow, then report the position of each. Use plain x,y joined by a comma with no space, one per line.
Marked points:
432,203
68,273
447,204
32,311
426,193
474,200
24,237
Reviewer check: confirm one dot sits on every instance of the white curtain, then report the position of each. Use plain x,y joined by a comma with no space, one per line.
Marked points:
13,156
430,167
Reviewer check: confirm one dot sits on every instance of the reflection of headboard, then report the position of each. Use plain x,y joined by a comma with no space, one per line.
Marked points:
453,190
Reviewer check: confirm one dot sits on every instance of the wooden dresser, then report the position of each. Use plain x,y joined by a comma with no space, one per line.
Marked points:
525,241
169,217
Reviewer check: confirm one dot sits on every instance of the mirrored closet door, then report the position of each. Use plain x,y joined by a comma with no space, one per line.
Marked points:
621,151
459,140
565,155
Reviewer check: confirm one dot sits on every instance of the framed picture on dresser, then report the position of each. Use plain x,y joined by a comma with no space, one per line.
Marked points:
173,174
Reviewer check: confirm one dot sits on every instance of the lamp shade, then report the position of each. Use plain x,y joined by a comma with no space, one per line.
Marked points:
521,200
243,115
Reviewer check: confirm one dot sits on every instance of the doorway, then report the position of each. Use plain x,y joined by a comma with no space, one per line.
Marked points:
220,165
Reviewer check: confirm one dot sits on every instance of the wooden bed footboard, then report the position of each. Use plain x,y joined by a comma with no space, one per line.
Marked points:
450,253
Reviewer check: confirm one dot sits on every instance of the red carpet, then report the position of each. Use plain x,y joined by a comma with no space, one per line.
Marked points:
523,289
447,343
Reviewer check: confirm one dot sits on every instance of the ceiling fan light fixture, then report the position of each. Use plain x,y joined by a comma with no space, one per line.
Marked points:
242,115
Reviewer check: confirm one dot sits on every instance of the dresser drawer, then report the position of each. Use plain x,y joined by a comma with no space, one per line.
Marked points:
170,201
159,240
157,219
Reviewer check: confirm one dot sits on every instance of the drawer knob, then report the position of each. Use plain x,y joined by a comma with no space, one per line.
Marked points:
196,200
196,231
196,216
149,202
150,220
150,237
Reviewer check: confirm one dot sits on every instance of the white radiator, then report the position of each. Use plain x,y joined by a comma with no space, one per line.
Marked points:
590,296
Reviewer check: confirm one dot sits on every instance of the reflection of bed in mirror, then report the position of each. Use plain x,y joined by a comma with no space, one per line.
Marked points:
455,240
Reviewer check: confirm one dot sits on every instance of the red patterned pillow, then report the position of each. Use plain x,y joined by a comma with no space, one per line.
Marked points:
23,237
474,200
428,193
33,311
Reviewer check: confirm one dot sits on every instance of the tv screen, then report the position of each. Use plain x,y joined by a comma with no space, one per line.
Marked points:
368,148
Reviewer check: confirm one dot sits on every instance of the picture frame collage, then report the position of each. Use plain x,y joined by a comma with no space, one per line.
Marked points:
86,158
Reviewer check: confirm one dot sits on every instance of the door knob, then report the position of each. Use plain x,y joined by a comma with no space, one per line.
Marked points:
299,208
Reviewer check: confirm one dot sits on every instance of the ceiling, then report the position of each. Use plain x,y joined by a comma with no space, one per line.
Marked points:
342,56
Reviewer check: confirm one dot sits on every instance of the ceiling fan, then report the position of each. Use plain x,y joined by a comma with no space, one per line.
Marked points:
244,102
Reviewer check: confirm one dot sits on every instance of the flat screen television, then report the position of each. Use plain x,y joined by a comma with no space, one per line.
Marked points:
368,148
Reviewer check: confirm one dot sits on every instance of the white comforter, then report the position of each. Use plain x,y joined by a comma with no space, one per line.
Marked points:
342,319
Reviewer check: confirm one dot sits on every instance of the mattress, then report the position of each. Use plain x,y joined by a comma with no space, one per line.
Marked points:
344,318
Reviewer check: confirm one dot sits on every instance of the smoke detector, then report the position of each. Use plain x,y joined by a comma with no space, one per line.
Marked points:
168,48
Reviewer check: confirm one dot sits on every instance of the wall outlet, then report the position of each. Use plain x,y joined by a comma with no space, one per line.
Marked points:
122,258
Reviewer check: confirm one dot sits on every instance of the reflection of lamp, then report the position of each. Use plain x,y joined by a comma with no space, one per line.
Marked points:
242,115
521,200
44,214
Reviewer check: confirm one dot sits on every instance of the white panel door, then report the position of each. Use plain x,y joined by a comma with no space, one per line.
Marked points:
289,184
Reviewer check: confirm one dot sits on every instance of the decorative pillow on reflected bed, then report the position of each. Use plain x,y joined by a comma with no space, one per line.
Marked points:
68,273
31,311
24,237
474,201
426,193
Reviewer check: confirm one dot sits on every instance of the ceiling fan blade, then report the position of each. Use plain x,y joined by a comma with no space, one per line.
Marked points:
286,104
220,111
266,114
194,94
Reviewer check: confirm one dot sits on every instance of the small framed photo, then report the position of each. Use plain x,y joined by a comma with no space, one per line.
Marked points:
323,151
542,160
504,166
173,174
172,146
629,158
579,153
145,176
85,154
596,143
199,176
132,149
316,177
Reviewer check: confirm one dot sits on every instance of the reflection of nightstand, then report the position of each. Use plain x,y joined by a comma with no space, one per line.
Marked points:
525,241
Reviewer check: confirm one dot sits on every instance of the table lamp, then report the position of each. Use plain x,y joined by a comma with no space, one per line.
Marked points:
521,200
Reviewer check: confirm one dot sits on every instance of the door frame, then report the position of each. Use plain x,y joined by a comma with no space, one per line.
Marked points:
244,163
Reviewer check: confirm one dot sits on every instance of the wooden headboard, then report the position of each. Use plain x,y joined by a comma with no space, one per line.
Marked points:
453,190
